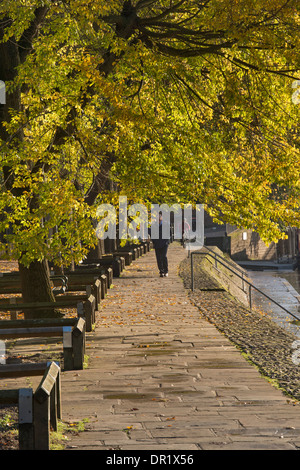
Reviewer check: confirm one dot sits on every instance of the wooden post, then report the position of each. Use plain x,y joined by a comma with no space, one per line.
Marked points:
13,314
128,259
127,255
74,345
43,413
53,407
109,274
103,280
78,339
58,393
68,348
55,395
89,307
97,290
117,268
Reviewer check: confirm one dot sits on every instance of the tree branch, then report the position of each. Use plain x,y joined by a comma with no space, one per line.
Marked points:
25,42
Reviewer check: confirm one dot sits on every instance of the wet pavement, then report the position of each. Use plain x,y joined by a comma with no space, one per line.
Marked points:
161,377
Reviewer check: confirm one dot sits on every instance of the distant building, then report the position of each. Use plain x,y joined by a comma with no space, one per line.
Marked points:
246,245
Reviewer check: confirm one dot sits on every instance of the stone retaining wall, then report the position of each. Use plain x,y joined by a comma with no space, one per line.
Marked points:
223,276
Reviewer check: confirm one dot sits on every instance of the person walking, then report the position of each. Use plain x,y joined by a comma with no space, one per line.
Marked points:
184,229
161,250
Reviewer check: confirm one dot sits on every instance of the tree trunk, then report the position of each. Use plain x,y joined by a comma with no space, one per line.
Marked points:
36,287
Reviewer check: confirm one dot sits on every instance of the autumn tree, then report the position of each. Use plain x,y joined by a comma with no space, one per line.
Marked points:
174,101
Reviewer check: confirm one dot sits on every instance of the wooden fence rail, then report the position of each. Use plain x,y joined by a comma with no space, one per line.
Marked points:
73,338
86,306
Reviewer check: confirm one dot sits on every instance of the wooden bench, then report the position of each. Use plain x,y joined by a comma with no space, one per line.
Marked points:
39,411
79,279
10,283
94,289
135,249
115,263
128,249
92,270
127,255
73,336
24,369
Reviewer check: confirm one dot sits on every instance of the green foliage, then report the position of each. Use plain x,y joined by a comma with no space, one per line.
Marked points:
172,101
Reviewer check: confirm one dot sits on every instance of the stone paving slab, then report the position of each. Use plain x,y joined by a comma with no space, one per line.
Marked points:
161,377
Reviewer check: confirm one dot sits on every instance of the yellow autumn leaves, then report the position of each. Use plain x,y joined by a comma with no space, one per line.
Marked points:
218,128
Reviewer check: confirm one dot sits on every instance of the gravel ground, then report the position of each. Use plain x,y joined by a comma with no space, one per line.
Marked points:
267,345
9,428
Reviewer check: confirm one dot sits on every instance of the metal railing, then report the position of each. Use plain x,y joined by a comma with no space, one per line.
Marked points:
235,271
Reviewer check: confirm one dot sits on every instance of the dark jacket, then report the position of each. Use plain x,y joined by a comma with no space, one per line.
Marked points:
160,242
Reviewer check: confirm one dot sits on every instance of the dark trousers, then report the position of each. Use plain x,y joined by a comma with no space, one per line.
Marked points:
161,258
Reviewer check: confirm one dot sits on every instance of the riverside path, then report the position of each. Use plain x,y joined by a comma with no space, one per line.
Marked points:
161,377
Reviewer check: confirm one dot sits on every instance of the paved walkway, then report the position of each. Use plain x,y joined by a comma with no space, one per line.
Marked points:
162,378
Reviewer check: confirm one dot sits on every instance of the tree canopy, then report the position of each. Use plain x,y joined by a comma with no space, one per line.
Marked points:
160,100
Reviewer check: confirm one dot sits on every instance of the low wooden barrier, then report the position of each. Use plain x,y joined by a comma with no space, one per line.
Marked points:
87,310
127,255
78,277
115,263
134,252
24,369
10,283
39,410
38,322
95,289
73,337
129,249
78,280
86,306
91,271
